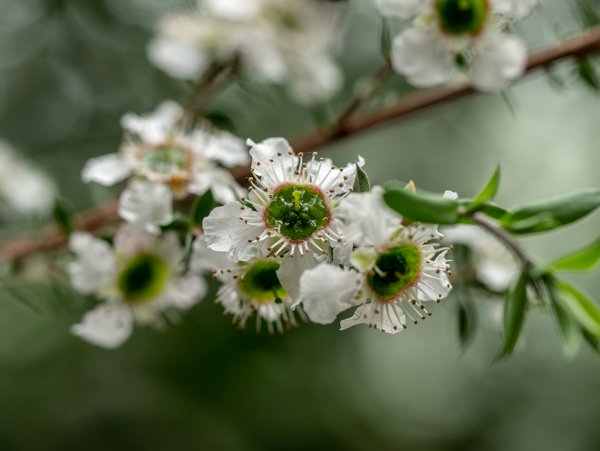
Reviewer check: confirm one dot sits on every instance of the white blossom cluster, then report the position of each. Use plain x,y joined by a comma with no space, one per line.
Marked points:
450,36
141,276
303,242
301,245
24,189
286,42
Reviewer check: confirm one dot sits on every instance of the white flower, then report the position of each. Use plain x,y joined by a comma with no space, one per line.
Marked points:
458,35
250,288
159,149
495,267
291,208
146,205
276,41
24,189
391,277
138,279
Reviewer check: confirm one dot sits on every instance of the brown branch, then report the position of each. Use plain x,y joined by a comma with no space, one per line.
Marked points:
50,238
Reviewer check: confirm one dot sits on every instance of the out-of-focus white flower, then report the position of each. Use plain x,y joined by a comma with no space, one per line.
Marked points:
391,277
277,41
138,279
160,150
24,189
495,267
452,35
290,210
146,205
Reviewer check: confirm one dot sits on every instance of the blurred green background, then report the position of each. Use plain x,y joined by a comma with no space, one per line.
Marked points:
70,68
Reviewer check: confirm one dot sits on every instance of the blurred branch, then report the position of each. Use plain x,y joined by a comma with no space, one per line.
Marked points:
206,86
350,124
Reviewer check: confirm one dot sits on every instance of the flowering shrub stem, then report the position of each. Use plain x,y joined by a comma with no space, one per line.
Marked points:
21,247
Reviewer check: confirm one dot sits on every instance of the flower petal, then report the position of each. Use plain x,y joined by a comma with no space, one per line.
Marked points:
388,318
513,9
227,149
146,205
178,58
186,292
290,271
94,268
422,58
222,184
107,326
498,61
262,153
226,231
154,128
106,170
368,221
327,290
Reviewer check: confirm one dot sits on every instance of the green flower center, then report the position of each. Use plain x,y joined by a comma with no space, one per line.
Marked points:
261,284
459,17
396,269
167,159
298,211
144,278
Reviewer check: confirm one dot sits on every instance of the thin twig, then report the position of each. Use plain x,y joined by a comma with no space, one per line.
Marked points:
50,238
502,235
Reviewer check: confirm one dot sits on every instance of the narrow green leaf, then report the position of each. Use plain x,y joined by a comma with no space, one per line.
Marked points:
514,314
220,120
361,182
582,308
493,210
64,215
422,206
551,213
591,340
569,331
202,207
580,260
386,39
467,320
488,192
587,72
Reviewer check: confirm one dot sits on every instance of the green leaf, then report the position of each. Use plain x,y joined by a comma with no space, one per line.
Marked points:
64,215
422,206
488,192
581,307
493,210
466,323
220,120
386,39
580,260
569,331
179,224
551,213
361,182
514,314
587,72
202,207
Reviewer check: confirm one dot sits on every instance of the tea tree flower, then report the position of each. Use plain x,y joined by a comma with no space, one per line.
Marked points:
391,278
24,189
291,208
275,41
159,149
138,280
464,35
